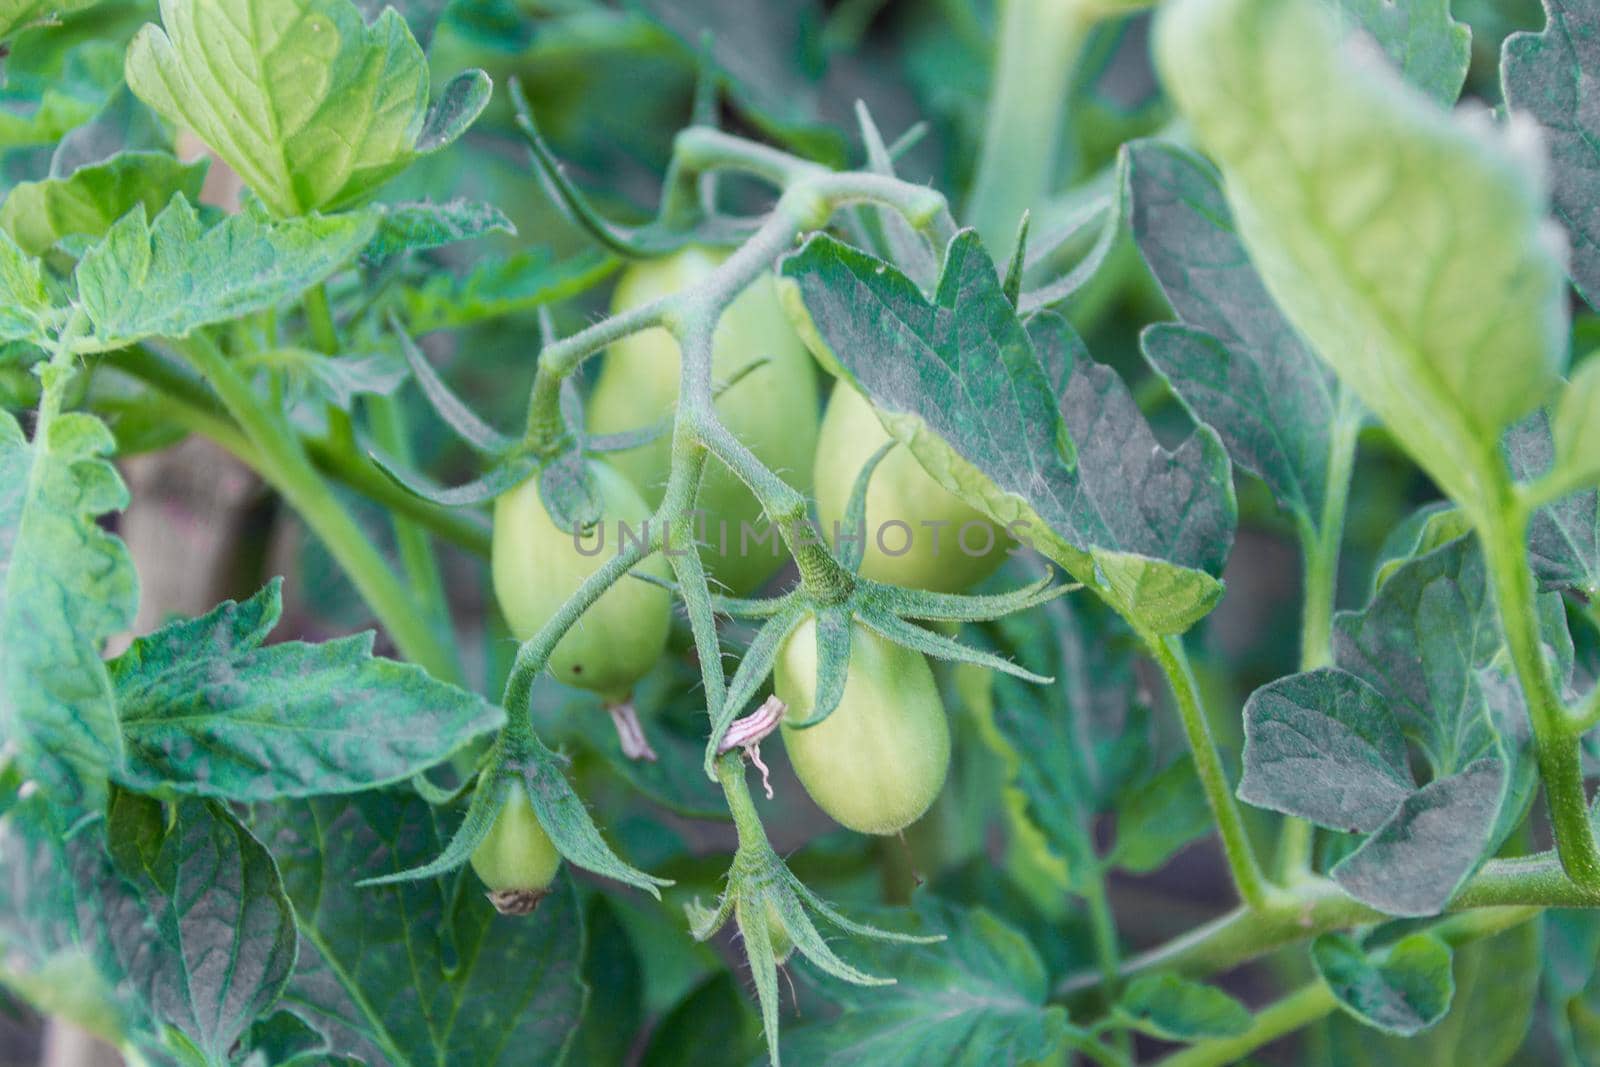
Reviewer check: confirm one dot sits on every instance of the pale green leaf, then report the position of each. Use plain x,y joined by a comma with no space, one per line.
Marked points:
419,226
1409,246
312,107
66,587
25,308
1577,424
209,710
18,15
495,288
418,973
172,276
38,214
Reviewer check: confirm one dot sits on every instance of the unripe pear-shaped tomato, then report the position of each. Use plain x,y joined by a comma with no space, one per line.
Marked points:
516,861
537,567
918,534
773,409
878,761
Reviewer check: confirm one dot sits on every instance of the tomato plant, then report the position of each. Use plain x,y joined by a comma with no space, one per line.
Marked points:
1177,643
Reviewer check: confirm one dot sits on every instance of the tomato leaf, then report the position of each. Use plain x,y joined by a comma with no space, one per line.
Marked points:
1550,77
1326,747
1160,817
1178,1009
66,587
1430,49
207,935
38,214
1017,421
497,287
169,277
312,107
978,997
1409,246
1564,535
419,972
1233,360
209,710
1496,989
419,226
1402,989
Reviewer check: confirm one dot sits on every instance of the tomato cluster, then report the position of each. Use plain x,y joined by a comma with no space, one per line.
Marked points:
878,761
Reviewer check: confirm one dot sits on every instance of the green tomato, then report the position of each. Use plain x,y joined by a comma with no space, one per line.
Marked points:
918,534
537,566
773,409
877,763
516,861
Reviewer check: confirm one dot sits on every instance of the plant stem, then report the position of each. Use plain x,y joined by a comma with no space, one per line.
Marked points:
1316,1000
200,410
319,319
1503,529
1038,47
388,424
1300,1008
284,465
1247,878
1320,544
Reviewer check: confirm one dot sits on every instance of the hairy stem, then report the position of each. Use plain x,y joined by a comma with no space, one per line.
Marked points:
1247,879
283,464
199,410
1503,529
1316,1000
387,420
1320,543
1037,50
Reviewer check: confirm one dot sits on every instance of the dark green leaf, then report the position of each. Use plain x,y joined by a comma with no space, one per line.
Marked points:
172,276
1563,537
1235,362
1324,746
1553,77
1402,989
1414,863
53,947
973,1000
208,710
66,587
1178,1009
1430,48
1160,817
1019,422
419,973
611,970
496,288
207,937
1068,748
714,1016
423,225
313,108
1496,986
